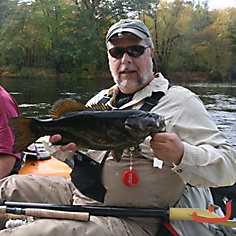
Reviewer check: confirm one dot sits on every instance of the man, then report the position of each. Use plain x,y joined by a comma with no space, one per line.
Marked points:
9,162
191,152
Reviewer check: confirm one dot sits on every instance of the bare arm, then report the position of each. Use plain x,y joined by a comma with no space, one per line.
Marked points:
6,164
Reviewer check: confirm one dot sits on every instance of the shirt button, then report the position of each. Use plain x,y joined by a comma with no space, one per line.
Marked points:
179,171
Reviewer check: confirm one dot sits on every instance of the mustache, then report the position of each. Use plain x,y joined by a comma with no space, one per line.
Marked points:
126,69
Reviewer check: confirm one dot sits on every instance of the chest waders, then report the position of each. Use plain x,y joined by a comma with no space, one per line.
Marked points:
86,173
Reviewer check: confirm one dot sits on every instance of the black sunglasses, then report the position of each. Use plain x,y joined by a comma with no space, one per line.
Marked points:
132,51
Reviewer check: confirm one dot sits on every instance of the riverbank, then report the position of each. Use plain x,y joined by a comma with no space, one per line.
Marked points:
39,73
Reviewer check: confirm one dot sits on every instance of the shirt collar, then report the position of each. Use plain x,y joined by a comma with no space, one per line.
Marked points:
159,83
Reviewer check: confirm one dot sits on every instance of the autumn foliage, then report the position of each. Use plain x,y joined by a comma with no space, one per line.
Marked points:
67,37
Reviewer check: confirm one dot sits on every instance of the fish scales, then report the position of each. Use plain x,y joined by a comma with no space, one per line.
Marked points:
93,129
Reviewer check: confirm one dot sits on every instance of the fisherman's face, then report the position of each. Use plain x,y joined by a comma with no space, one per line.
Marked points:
131,73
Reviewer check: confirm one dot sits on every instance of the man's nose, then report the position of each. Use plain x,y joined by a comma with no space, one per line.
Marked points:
126,58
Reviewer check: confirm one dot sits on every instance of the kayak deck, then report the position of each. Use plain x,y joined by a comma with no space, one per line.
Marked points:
49,167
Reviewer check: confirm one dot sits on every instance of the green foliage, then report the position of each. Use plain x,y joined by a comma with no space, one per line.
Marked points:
171,21
232,29
68,36
52,34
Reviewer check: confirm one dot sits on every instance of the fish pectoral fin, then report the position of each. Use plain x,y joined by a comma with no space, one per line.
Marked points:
115,134
117,154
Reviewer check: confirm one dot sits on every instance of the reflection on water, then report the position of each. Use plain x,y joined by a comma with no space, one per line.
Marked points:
35,97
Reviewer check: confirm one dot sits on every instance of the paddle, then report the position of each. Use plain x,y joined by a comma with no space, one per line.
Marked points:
82,212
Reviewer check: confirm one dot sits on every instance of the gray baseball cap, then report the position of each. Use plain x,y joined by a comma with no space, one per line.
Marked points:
136,27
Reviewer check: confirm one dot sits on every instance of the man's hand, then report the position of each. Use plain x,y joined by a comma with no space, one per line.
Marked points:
68,147
167,146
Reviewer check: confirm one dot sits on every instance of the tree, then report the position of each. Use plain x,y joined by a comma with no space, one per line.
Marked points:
213,50
170,24
68,36
232,37
184,56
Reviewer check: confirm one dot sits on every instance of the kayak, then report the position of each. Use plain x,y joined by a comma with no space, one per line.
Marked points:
37,161
48,167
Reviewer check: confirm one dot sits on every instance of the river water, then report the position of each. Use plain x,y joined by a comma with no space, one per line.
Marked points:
35,97
220,101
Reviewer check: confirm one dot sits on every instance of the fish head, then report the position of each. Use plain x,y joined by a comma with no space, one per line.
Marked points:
143,124
160,125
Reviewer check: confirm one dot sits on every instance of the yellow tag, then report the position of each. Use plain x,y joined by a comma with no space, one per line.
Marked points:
132,149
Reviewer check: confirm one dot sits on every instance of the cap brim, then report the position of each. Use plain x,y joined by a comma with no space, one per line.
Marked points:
127,30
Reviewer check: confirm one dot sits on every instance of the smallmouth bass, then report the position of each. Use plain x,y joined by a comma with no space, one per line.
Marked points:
93,127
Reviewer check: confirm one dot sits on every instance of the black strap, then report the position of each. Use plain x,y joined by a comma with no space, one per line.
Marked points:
152,101
149,103
122,99
105,99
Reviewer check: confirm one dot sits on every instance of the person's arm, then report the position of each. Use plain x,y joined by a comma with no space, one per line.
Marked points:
6,164
205,158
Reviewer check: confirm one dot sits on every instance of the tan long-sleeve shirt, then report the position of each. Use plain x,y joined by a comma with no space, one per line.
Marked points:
208,159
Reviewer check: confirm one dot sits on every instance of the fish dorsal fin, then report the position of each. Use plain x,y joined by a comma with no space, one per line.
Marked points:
64,106
101,107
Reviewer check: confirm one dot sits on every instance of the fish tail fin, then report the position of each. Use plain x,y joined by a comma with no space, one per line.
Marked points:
23,133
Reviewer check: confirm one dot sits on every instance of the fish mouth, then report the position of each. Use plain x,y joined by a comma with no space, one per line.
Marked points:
160,124
139,126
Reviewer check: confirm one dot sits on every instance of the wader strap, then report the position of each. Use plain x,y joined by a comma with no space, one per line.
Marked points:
105,99
149,103
152,101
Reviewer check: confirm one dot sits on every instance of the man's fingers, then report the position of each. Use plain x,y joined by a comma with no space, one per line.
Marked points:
55,138
69,147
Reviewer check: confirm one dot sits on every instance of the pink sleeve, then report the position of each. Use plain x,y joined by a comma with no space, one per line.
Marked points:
8,108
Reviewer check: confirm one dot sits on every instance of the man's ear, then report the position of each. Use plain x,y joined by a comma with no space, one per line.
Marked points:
152,52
